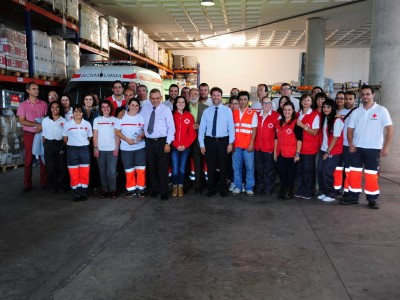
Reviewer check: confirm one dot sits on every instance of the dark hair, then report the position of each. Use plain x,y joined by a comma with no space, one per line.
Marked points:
173,86
351,93
317,87
279,109
292,118
319,95
118,110
153,91
61,110
108,102
286,84
366,86
331,117
265,86
133,82
204,84
28,85
186,108
340,92
136,100
234,89
88,94
216,89
234,97
244,93
78,107
66,95
142,85
117,81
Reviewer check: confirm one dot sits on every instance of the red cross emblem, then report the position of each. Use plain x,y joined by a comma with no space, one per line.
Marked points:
374,116
270,125
61,124
112,123
288,131
86,129
186,121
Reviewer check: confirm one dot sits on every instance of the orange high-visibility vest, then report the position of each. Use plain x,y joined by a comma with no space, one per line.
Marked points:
243,127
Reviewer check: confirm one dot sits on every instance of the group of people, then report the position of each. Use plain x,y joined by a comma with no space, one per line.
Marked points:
307,141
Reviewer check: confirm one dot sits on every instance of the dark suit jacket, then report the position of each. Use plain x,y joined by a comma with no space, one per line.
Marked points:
202,107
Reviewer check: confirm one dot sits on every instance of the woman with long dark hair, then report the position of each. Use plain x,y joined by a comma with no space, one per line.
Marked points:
185,135
76,134
54,147
308,120
330,153
287,149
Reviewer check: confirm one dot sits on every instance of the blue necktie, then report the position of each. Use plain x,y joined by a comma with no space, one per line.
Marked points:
214,128
150,128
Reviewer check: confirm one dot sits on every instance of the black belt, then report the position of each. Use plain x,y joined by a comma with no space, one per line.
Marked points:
29,132
156,139
217,139
53,141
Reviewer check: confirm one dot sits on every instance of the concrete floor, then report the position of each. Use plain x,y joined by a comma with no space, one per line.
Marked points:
196,247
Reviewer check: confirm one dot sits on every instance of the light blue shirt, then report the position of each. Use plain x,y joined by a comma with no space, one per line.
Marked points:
163,124
225,125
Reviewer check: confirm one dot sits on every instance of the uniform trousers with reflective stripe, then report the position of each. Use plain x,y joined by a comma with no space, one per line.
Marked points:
55,157
78,160
135,169
108,170
368,159
325,172
197,165
216,153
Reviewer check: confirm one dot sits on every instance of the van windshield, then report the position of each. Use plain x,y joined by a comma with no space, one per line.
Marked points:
77,90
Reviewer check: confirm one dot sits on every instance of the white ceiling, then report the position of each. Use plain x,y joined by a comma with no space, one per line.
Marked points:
178,21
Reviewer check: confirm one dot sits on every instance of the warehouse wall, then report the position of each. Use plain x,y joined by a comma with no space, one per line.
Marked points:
248,67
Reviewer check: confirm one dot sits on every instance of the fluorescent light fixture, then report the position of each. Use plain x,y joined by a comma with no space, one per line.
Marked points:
207,2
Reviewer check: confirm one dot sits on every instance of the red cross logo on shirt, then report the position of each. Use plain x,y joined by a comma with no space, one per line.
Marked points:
270,125
186,121
374,116
86,129
61,124
112,123
288,131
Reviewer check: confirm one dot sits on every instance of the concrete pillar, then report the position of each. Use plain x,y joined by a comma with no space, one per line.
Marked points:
315,52
385,68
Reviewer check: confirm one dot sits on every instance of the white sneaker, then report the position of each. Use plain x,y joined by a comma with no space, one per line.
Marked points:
250,193
243,188
328,199
236,191
321,197
232,187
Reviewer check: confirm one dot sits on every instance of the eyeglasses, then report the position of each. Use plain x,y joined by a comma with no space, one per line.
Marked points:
235,103
267,103
340,98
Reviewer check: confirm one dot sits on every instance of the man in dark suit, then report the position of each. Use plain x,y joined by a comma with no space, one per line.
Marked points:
196,108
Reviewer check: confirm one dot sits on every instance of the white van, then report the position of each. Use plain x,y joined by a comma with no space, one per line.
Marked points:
98,79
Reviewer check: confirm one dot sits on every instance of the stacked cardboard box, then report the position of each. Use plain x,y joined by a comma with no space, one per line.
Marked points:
13,50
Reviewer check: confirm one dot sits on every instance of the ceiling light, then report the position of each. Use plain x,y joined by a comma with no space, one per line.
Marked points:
207,2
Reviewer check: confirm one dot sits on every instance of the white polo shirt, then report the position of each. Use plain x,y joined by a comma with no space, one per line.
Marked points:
52,130
337,131
315,123
131,127
105,132
78,134
369,126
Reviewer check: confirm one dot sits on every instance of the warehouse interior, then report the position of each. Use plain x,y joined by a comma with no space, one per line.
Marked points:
199,247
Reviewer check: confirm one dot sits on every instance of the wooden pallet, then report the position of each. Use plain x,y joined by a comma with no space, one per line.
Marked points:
72,20
90,43
16,73
41,77
104,49
9,167
2,71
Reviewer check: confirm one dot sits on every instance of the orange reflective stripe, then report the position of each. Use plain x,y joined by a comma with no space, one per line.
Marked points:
355,180
84,175
338,178
130,179
371,182
192,170
141,177
346,180
74,176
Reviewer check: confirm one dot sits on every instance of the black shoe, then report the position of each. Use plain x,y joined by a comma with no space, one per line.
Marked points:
114,195
153,194
348,201
373,205
56,191
197,191
129,195
223,194
103,195
210,194
140,194
164,196
26,189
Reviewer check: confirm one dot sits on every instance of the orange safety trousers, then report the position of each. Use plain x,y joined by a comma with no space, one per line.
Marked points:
338,178
135,178
346,180
79,176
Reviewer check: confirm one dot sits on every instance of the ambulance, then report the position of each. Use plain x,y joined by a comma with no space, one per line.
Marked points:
98,79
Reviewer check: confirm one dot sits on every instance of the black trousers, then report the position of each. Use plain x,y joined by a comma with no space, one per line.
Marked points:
198,166
216,153
56,163
158,162
265,171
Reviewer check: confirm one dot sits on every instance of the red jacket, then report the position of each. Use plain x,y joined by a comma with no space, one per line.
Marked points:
185,134
310,144
114,103
287,142
265,138
338,148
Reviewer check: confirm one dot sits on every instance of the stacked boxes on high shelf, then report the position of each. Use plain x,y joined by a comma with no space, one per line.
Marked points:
42,59
89,26
73,58
72,10
104,41
13,52
58,58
